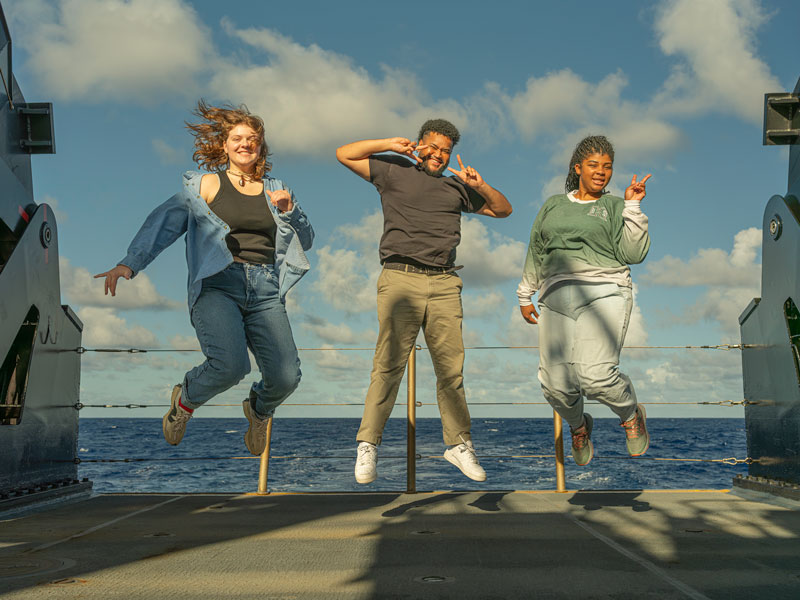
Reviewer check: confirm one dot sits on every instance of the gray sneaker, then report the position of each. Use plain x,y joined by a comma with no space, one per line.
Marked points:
256,437
174,423
582,447
637,438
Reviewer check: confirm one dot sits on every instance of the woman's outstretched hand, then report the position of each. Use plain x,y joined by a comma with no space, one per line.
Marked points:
636,190
112,276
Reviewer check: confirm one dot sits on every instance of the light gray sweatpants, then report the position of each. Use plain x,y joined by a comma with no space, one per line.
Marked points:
582,328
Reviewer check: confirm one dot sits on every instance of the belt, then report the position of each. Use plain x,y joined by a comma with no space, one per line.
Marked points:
395,266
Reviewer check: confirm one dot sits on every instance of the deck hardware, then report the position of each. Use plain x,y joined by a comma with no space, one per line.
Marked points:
67,581
46,235
775,227
36,123
434,579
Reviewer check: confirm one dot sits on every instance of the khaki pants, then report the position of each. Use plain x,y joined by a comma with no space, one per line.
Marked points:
406,302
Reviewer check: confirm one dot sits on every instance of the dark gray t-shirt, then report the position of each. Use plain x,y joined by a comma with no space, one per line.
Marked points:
421,213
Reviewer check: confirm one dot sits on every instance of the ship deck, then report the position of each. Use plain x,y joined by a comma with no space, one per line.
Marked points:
580,544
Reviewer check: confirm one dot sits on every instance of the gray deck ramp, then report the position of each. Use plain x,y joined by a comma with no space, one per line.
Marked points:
620,544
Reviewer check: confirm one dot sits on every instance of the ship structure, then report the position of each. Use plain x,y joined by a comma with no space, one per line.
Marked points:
39,337
770,324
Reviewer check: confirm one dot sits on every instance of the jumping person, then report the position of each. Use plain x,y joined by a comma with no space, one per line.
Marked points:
581,245
419,287
245,237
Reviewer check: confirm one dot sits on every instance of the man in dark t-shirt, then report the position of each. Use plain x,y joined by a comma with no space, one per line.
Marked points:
418,287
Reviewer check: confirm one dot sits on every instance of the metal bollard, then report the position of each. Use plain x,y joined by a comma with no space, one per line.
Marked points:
558,429
263,469
411,448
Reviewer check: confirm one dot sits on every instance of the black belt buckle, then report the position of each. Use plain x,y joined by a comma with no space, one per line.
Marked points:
397,266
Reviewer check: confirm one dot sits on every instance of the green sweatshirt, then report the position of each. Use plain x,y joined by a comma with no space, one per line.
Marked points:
584,241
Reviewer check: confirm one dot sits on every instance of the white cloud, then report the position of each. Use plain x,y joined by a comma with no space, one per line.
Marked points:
637,331
168,154
184,342
488,257
337,333
719,70
337,365
518,332
567,107
712,266
732,279
81,288
96,50
346,278
483,305
696,375
52,202
102,328
317,99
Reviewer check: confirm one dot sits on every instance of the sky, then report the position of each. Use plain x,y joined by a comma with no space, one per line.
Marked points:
676,85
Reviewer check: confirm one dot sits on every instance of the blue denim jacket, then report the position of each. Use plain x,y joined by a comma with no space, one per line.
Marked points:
206,251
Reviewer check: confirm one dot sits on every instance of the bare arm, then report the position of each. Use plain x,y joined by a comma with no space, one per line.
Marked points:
497,205
355,156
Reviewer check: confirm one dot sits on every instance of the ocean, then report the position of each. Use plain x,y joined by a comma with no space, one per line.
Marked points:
313,455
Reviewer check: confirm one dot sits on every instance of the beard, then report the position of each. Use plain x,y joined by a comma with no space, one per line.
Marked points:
426,166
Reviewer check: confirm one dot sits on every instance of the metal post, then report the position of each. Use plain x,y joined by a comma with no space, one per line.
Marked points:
411,449
558,429
263,470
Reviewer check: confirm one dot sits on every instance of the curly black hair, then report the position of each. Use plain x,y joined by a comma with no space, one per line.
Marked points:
445,128
593,144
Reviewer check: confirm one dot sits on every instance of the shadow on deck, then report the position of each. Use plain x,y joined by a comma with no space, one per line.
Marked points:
620,544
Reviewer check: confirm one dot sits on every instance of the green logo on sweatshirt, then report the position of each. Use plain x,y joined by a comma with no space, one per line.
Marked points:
601,212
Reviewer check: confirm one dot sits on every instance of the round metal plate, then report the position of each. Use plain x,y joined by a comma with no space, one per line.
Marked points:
434,579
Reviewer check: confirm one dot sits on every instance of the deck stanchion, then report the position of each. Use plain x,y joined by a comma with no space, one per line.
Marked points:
263,469
411,448
558,429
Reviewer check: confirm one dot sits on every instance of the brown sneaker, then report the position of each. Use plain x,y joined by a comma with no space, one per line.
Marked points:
582,448
638,440
174,423
256,437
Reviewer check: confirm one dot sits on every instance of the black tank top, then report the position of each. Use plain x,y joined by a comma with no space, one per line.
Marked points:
253,228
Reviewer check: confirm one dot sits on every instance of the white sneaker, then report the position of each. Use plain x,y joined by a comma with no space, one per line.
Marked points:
463,456
366,463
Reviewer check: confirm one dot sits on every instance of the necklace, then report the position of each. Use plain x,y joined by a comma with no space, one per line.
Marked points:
242,177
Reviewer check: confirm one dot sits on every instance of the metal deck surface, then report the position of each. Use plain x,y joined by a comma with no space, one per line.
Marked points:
619,544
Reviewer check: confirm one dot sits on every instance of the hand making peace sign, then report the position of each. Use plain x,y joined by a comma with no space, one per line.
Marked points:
467,174
636,190
403,145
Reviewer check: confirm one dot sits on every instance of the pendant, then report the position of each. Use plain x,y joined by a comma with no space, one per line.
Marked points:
241,181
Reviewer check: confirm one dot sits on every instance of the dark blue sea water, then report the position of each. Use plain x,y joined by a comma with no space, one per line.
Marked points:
324,440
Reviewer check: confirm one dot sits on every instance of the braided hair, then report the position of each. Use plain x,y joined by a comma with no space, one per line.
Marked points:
593,144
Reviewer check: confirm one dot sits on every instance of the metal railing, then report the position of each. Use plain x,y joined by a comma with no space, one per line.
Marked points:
412,404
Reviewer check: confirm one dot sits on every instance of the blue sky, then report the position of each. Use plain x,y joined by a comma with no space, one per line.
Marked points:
677,86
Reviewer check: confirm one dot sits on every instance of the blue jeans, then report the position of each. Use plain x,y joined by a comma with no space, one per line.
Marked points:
582,328
240,308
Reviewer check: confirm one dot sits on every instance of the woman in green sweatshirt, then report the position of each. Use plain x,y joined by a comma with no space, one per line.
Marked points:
581,245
